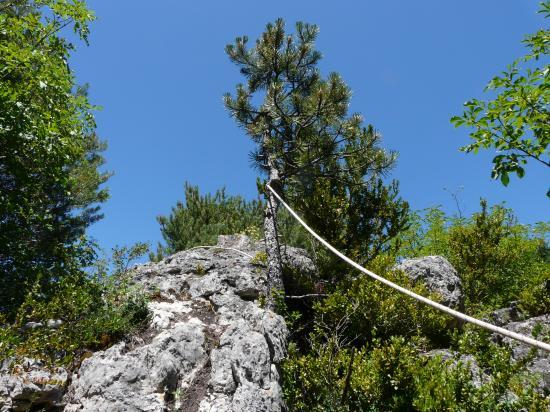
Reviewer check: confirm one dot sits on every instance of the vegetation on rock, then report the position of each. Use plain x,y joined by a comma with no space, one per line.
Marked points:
308,146
355,344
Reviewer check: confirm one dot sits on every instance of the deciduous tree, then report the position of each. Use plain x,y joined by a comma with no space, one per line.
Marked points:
516,123
49,152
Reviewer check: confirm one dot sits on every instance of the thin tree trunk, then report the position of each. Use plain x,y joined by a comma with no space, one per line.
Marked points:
274,261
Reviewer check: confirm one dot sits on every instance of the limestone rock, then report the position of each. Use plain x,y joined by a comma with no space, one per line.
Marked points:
438,275
30,384
209,345
478,376
539,365
538,361
507,315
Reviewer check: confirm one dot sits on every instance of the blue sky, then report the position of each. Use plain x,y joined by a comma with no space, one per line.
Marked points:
159,71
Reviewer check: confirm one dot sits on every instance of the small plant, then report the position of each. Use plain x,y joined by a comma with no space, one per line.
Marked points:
179,394
262,300
254,232
259,259
200,270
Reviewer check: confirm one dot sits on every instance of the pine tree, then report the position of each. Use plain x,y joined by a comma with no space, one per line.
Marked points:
307,144
200,219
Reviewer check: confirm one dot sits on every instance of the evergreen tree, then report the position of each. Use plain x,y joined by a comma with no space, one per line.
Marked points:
200,219
49,152
308,146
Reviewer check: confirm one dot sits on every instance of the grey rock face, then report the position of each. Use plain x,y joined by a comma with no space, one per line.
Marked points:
507,315
438,275
30,384
539,364
209,345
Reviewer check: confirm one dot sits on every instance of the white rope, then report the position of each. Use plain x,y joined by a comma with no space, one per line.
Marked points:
439,306
223,248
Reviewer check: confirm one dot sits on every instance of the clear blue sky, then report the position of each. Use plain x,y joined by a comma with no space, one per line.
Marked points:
159,71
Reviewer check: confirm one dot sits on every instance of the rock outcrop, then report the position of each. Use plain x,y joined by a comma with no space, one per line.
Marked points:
539,360
29,384
438,275
210,345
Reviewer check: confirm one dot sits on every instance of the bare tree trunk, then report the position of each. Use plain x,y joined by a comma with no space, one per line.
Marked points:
271,235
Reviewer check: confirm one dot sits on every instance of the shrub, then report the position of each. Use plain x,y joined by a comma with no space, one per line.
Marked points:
393,375
373,310
498,259
200,219
95,311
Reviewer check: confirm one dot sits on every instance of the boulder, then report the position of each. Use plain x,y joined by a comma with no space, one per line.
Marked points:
438,275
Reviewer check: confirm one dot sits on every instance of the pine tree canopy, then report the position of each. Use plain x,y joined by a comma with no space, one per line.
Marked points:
330,165
310,133
200,219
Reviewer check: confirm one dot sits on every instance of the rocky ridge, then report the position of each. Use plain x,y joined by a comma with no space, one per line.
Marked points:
209,345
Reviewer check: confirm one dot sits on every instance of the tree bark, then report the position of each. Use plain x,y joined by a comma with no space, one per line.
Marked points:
271,235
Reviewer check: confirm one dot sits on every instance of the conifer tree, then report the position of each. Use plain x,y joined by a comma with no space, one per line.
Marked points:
307,144
200,219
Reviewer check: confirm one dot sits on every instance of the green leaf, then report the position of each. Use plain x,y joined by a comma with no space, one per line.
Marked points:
504,178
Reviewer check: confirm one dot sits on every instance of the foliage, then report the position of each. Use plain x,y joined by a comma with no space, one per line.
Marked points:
498,259
363,220
393,375
95,310
50,155
366,328
304,115
516,123
366,309
201,218
260,259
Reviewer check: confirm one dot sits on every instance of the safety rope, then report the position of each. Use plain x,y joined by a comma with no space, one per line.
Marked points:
439,306
223,248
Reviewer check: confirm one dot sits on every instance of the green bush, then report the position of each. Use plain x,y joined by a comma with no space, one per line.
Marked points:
95,311
393,375
380,335
200,219
373,310
498,259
